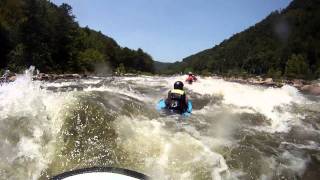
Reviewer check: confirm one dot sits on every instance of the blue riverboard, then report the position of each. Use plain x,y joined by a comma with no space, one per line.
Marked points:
162,105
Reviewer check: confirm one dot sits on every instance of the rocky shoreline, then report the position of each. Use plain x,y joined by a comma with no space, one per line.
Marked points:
44,77
304,86
53,77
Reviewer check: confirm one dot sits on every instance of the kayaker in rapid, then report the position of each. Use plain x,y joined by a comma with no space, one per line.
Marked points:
191,78
177,99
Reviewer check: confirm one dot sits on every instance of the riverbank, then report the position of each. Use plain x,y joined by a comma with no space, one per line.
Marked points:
311,87
43,77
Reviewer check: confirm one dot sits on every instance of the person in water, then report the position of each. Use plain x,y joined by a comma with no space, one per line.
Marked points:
177,99
191,77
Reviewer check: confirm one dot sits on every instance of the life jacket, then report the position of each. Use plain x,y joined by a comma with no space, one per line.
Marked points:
190,78
177,101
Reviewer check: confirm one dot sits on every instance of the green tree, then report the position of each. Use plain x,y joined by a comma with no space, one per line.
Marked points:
121,70
16,58
4,45
188,69
89,58
297,67
40,33
274,73
266,45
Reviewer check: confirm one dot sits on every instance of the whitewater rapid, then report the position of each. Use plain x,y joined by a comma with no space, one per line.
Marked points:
236,131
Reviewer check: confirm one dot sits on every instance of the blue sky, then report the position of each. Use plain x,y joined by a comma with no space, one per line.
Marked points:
170,30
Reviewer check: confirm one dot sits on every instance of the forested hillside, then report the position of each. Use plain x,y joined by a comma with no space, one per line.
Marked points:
40,33
286,43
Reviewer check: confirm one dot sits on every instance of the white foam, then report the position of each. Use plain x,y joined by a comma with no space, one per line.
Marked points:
113,89
148,80
59,84
295,163
164,153
261,99
24,100
310,146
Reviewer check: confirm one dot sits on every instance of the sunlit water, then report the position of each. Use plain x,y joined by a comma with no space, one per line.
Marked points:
235,132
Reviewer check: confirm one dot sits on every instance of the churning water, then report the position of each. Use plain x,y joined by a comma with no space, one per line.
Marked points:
236,131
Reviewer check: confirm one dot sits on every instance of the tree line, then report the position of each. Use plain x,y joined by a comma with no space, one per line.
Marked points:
40,33
284,44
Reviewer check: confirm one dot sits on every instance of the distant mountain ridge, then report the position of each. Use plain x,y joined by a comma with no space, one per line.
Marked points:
160,66
285,43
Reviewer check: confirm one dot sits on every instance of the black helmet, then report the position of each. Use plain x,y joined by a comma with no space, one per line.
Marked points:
178,85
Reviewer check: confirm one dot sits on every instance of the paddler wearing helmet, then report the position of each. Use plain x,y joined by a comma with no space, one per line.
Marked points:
177,99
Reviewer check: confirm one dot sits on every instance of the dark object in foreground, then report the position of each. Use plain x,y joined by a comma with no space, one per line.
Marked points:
103,172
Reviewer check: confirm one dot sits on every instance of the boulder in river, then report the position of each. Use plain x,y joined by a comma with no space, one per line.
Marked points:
12,78
297,83
312,89
269,82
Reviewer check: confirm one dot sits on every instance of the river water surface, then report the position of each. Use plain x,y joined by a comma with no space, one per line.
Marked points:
236,131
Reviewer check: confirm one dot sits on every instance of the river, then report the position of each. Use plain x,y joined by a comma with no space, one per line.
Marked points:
236,131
